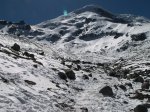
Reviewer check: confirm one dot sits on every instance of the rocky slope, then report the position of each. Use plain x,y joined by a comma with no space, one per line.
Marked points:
89,61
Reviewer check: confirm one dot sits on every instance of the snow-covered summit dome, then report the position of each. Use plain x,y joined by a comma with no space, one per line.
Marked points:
95,9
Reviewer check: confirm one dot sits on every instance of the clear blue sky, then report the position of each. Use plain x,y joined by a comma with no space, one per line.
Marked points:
36,11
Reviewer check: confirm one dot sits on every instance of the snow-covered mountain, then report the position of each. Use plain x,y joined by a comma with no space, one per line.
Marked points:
88,61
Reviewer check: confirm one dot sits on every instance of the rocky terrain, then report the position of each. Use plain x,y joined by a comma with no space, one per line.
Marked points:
88,61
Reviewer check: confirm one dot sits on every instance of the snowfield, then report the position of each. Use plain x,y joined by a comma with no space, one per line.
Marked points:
63,64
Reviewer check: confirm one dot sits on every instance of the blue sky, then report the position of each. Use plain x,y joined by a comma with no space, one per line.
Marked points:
36,11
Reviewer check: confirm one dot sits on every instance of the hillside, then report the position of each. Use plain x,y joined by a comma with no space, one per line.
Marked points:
89,61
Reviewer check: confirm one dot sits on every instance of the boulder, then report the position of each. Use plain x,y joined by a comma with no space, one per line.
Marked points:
32,56
84,109
70,74
113,73
90,75
138,95
107,91
123,87
35,66
41,53
62,75
26,54
85,77
145,85
140,108
129,85
78,67
94,79
30,82
76,61
125,102
139,79
29,55
16,47
4,80
132,75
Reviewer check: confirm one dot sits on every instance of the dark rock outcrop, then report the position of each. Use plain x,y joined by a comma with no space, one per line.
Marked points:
84,109
85,77
3,22
140,108
41,53
139,79
123,87
30,82
145,85
129,85
35,66
112,73
123,47
107,91
118,35
4,80
29,55
62,75
70,74
138,95
16,47
139,37
88,20
90,75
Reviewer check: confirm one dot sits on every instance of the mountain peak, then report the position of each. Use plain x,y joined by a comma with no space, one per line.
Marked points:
95,9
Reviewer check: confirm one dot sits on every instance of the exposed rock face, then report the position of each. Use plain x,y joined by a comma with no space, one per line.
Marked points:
107,91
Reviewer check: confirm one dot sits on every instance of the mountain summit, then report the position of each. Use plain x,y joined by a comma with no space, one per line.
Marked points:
88,61
94,9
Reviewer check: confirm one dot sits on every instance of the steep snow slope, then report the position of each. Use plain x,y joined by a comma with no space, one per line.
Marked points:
92,30
101,48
